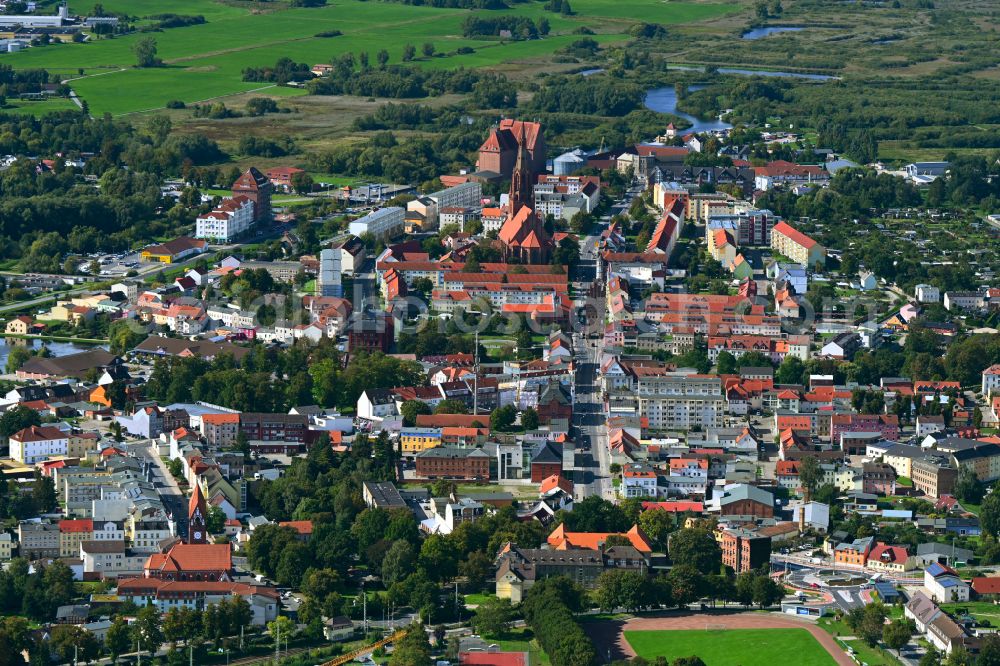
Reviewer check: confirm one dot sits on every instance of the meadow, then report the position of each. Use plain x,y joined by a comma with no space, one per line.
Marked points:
205,61
731,647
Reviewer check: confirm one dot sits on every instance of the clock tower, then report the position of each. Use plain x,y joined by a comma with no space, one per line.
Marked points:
197,517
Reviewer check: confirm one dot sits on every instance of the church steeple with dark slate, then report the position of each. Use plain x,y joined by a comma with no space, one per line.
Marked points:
520,181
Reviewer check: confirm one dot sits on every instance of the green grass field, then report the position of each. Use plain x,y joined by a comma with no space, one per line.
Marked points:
735,647
206,61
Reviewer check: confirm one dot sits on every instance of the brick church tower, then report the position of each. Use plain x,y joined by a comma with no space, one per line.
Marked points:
197,517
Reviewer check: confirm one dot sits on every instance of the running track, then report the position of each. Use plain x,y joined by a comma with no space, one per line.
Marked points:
611,635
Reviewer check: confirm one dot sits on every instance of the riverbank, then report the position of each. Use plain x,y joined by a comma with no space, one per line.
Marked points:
56,338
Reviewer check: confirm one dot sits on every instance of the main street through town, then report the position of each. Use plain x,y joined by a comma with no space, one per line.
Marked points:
593,460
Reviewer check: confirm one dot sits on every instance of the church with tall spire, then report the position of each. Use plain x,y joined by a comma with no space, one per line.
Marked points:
523,237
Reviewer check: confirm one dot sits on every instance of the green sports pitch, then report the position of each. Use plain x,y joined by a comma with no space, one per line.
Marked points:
733,647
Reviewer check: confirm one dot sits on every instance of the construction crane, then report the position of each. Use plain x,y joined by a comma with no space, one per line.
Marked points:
351,656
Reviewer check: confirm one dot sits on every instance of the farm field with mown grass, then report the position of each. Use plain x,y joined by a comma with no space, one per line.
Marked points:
203,62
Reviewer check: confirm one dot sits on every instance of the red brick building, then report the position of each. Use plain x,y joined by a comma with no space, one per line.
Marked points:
746,500
192,561
445,462
743,550
256,187
499,152
546,461
370,334
887,425
554,402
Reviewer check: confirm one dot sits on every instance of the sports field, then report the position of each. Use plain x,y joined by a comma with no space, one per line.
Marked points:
206,61
733,647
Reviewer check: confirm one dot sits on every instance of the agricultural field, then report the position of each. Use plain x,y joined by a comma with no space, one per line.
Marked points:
204,62
729,647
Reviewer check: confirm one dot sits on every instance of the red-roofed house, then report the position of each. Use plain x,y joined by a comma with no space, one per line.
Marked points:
303,527
890,558
986,587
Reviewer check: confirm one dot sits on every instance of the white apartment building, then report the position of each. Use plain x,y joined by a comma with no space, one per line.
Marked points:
232,218
678,401
384,223
466,195
926,293
232,317
37,443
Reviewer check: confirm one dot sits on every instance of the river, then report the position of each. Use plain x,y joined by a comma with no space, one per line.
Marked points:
664,100
56,348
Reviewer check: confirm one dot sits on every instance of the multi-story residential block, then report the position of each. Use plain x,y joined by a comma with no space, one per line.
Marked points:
230,219
110,558
747,226
792,243
678,401
73,532
926,293
37,443
934,475
991,380
964,300
37,540
384,224
275,433
220,430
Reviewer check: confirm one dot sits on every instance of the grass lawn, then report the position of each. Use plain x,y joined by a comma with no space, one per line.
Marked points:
478,598
904,481
41,107
872,656
736,647
522,640
206,61
978,609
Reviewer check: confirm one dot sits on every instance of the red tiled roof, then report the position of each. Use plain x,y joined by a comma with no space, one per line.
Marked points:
192,557
986,584
38,434
304,527
675,506
78,525
793,234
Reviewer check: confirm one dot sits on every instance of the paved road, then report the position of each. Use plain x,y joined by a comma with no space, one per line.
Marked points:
594,460
170,492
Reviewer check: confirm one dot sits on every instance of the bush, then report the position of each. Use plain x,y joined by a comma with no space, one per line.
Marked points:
329,33
176,104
